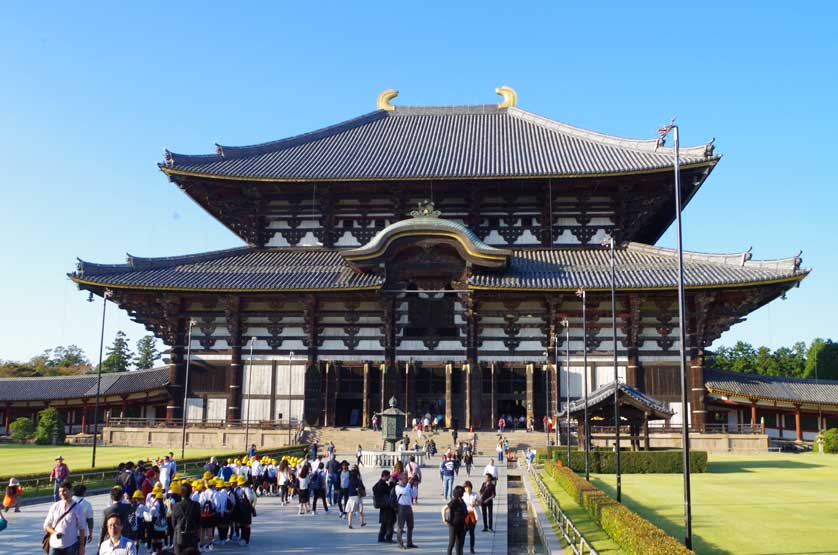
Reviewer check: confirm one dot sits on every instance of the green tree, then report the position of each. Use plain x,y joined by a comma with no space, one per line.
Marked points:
791,361
822,360
61,357
765,363
50,427
21,429
119,355
147,353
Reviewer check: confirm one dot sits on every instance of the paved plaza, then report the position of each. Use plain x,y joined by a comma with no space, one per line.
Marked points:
279,529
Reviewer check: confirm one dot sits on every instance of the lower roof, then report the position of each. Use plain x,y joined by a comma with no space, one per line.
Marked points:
757,387
251,269
51,388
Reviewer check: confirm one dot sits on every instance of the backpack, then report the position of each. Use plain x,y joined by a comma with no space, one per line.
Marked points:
160,522
207,511
316,480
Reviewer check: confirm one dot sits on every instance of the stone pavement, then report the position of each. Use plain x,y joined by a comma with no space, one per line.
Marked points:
278,529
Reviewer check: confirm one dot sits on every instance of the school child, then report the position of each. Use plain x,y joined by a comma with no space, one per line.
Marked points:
159,524
208,515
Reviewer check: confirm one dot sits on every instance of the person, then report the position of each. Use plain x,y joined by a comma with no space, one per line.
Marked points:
159,523
12,496
501,424
344,487
499,450
186,520
522,422
116,543
118,507
356,496
212,466
381,492
224,505
332,486
304,478
491,469
374,423
446,472
358,453
284,481
59,473
136,520
404,517
208,516
166,472
454,515
85,507
126,480
454,436
245,511
468,460
472,501
252,451
65,523
414,475
530,457
398,470
318,488
487,496
330,448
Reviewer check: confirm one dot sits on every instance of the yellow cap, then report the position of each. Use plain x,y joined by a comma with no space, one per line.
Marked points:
158,495
207,475
242,480
138,495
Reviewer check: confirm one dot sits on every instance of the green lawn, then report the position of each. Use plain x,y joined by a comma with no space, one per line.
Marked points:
20,459
772,504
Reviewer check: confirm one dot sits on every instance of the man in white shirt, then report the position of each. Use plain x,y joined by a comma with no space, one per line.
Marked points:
84,505
67,534
166,472
116,543
491,469
404,503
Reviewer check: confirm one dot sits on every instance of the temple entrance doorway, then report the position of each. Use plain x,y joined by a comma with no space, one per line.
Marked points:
348,412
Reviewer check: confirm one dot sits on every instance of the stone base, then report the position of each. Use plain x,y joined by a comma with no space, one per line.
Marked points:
712,443
196,437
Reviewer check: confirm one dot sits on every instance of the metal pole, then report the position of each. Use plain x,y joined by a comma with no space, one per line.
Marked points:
685,414
616,374
186,389
547,397
582,293
105,296
290,355
558,388
567,392
247,412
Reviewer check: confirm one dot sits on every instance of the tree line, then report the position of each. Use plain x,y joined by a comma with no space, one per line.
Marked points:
817,361
71,360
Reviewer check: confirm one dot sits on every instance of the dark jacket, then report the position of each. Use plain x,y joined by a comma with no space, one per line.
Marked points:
124,510
354,484
186,519
381,491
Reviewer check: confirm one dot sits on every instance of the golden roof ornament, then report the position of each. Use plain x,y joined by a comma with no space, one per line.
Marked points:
384,100
510,97
425,209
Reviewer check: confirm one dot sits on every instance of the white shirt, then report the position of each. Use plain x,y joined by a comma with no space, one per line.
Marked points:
124,547
85,507
72,527
166,472
491,469
220,499
208,495
405,494
470,499
256,468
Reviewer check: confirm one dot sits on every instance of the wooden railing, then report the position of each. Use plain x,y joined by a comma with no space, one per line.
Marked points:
570,533
707,429
178,423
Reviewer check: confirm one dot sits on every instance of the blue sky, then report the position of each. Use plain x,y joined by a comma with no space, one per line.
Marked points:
90,94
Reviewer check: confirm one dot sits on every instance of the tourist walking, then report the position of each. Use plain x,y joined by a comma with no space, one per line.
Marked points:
116,543
487,496
344,487
284,480
414,475
499,449
65,523
332,485
374,423
79,490
186,520
404,502
382,500
472,501
468,460
303,494
317,486
358,453
491,469
446,472
59,473
454,515
357,491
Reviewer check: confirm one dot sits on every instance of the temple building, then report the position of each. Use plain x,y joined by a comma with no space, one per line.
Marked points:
431,254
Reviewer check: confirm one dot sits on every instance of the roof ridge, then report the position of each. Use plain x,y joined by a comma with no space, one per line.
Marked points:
134,263
741,259
81,376
642,145
763,377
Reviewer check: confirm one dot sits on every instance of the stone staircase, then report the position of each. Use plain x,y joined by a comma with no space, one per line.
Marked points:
346,440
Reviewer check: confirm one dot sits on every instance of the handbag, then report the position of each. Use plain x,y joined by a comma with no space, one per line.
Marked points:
362,491
471,518
45,540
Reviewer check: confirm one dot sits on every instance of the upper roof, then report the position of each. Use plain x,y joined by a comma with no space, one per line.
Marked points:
84,386
771,388
309,269
446,142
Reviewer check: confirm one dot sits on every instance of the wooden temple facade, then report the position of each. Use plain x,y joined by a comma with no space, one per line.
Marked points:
431,254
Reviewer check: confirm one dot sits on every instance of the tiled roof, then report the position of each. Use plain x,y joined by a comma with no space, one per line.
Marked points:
771,388
603,393
77,387
437,142
638,267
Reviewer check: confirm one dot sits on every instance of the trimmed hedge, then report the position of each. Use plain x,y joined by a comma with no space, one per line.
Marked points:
295,450
634,534
632,462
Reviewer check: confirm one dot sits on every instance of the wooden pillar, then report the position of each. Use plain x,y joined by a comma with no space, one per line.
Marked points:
177,375
383,369
311,377
233,376
365,407
272,402
449,399
326,393
493,410
780,420
753,417
645,431
798,432
467,371
388,369
407,387
6,417
124,407
530,394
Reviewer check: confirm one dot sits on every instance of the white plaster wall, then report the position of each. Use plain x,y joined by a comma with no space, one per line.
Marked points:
260,409
297,379
216,409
